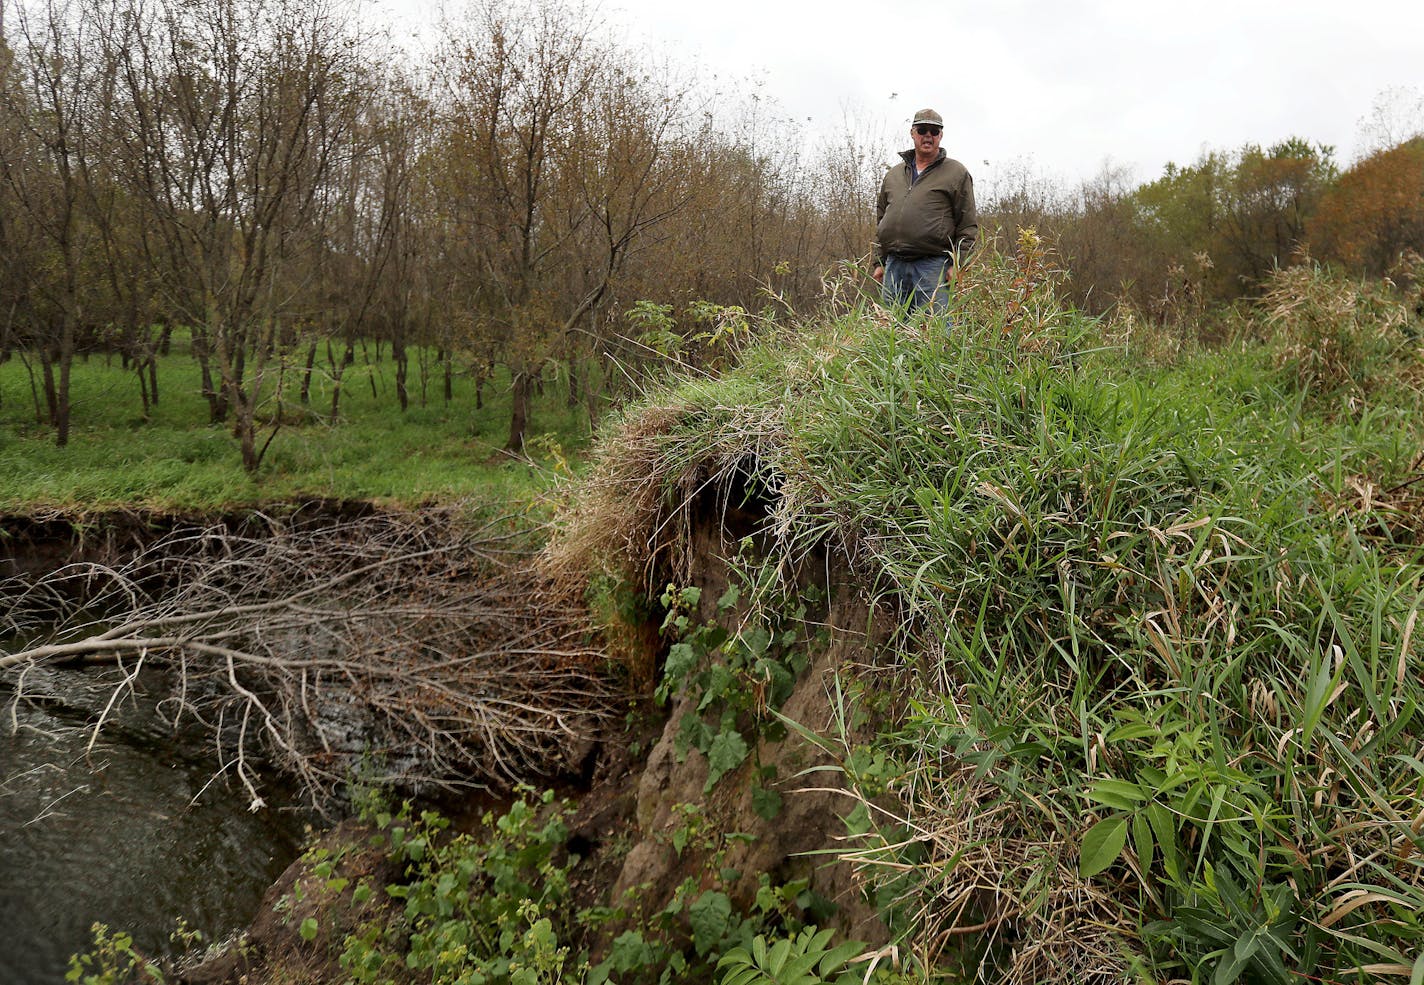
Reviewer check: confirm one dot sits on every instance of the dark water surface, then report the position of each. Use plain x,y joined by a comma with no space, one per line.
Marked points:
130,833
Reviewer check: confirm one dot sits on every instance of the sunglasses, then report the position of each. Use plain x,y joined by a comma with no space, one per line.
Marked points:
928,130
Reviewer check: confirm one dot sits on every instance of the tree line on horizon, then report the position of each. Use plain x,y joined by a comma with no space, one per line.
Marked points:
1202,236
280,181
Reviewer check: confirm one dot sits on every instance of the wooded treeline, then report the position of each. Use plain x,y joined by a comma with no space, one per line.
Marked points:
1180,247
280,183
275,179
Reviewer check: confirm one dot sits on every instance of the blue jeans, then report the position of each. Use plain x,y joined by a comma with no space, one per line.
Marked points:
913,284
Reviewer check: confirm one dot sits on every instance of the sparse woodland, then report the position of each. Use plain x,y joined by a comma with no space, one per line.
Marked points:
282,182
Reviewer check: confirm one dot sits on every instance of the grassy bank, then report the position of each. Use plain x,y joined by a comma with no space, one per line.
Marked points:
175,460
1153,708
1147,703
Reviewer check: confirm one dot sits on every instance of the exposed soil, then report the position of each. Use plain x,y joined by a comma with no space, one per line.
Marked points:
37,543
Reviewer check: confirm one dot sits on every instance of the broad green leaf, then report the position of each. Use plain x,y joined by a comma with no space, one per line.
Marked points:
709,915
726,753
1317,698
1233,961
776,960
1102,844
766,803
1165,829
836,958
681,661
1119,794
729,598
1133,730
1142,839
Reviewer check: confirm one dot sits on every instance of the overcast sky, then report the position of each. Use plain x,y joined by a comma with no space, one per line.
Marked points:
1057,87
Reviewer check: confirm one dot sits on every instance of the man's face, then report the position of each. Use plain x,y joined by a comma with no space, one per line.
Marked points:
926,139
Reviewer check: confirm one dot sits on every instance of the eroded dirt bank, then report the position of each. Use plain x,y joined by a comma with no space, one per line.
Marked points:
35,543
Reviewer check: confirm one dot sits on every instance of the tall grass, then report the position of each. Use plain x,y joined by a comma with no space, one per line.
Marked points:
1160,623
176,459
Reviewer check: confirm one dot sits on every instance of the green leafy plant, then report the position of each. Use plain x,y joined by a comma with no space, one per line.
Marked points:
738,678
485,908
806,958
112,961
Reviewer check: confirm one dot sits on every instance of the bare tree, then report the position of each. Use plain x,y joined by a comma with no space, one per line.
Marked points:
1396,116
510,83
52,95
239,109
625,176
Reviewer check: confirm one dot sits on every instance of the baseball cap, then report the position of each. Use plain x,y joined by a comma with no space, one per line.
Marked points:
928,116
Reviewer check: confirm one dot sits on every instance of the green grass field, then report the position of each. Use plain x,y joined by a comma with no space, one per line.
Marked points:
176,460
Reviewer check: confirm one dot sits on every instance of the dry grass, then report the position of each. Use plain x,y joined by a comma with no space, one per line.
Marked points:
1332,331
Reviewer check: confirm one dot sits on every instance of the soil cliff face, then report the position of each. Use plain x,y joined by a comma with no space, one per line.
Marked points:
795,843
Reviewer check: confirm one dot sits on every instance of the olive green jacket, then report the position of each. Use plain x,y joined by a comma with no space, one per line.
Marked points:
934,216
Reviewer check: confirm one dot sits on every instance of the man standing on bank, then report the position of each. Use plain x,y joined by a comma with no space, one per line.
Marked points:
926,223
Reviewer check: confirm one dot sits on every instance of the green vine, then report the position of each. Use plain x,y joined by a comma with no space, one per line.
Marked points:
738,679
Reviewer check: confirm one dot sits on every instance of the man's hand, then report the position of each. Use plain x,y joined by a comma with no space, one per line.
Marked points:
951,273
879,274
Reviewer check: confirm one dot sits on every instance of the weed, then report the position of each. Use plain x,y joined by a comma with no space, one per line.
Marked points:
112,961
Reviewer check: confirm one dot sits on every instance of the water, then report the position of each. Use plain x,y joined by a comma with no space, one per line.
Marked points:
130,833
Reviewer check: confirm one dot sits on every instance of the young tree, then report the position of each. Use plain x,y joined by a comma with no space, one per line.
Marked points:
1236,216
1267,200
1396,116
551,169
509,87
355,228
52,97
625,176
238,111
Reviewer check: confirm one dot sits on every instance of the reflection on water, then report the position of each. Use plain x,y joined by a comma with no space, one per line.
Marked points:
126,833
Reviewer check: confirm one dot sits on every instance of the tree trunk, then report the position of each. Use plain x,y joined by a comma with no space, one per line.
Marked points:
370,369
402,361
338,375
519,413
51,398
217,400
61,422
61,357
139,368
153,379
305,395
247,438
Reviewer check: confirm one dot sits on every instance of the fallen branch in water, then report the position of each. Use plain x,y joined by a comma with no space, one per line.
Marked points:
407,649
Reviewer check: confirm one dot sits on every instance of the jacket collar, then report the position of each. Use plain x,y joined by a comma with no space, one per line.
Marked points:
909,158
